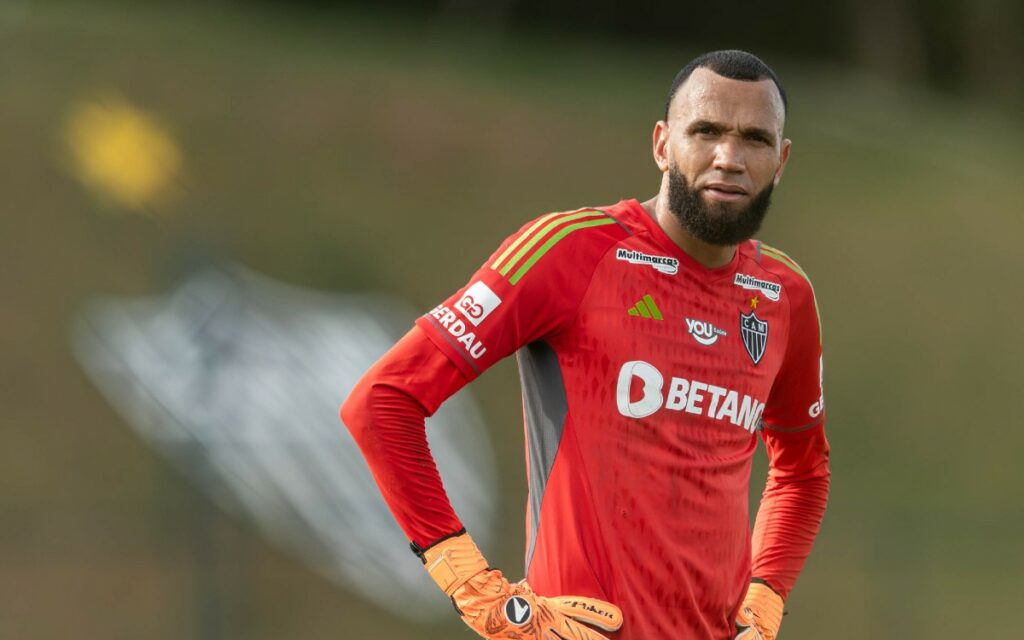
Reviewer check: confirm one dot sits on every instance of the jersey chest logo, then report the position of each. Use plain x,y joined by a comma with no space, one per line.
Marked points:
771,290
664,264
703,332
754,332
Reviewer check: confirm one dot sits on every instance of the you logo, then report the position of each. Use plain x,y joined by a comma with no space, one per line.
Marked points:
692,396
703,332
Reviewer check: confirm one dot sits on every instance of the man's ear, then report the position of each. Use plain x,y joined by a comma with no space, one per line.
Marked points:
659,145
783,159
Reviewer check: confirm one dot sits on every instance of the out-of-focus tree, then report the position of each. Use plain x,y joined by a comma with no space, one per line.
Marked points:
993,33
886,37
954,45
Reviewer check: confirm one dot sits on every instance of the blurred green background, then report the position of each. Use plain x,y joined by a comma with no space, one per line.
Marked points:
356,149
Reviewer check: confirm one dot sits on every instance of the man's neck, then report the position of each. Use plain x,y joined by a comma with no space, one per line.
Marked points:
710,255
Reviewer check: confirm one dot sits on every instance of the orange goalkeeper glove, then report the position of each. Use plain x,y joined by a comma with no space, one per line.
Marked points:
761,614
497,609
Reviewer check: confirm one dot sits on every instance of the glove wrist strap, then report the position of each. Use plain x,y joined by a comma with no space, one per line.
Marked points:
453,561
766,605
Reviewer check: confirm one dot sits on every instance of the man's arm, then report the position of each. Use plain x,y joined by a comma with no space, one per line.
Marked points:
386,413
792,505
796,493
521,294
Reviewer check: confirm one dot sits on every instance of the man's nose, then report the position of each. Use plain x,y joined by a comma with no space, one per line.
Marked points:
729,155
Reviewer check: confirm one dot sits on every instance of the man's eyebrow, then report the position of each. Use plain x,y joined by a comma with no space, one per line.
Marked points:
720,127
707,124
758,132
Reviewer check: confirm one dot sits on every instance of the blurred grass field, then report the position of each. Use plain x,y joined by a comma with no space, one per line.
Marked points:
346,150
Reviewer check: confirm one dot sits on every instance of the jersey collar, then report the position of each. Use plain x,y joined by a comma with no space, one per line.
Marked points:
666,243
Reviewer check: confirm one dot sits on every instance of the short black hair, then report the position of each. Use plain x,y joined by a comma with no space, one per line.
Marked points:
729,63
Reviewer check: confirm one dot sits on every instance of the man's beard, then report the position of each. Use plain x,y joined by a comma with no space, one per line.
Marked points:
716,223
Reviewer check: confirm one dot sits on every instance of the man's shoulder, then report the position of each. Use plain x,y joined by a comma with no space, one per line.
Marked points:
555,240
794,283
775,262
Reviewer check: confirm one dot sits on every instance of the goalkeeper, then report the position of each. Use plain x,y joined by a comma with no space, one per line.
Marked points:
655,341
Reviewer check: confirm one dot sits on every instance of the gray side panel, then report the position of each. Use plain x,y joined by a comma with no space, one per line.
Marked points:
545,406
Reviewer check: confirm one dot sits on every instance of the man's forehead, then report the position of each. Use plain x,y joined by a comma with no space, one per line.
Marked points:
708,96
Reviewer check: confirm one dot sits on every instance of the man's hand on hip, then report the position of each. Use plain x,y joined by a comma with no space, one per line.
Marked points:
496,608
761,614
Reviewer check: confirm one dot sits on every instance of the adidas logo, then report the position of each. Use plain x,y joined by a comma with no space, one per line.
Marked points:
645,308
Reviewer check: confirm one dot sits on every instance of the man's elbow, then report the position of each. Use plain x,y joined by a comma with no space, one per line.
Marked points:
354,410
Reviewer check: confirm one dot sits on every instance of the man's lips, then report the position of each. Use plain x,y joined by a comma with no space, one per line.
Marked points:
724,192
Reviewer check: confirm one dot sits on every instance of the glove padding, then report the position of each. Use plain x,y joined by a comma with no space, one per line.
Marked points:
760,616
497,609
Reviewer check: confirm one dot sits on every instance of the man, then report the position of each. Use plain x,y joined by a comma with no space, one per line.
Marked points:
654,341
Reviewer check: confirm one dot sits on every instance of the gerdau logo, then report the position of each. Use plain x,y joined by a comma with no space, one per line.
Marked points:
681,394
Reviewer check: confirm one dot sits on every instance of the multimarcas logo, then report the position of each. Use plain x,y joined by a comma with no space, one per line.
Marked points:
664,264
692,396
771,290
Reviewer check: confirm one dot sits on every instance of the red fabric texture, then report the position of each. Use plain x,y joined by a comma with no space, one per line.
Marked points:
385,414
792,505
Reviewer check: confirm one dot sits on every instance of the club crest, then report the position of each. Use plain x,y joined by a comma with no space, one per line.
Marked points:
754,332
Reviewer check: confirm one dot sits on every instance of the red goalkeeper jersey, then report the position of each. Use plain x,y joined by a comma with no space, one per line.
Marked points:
645,376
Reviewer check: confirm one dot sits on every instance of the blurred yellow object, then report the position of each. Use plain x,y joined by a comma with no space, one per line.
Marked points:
121,152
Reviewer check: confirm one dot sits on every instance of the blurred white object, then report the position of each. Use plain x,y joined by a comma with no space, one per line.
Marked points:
238,380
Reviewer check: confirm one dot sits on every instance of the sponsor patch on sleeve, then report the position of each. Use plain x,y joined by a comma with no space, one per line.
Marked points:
477,303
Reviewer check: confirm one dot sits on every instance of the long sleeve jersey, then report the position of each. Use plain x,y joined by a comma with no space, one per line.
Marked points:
646,378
